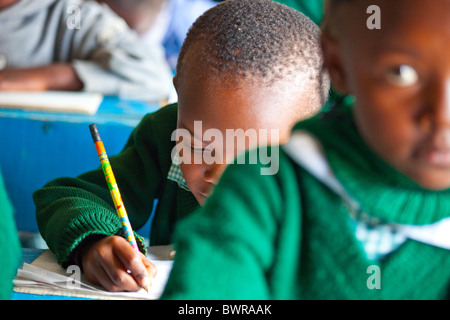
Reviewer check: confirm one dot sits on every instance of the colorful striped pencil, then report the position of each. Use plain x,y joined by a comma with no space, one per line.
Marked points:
113,188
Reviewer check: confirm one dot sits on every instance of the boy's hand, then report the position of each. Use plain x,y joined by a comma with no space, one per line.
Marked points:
113,263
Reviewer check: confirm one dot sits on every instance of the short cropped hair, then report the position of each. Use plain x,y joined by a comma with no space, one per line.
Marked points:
258,39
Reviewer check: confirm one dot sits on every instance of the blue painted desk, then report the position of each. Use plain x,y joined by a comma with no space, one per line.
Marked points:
36,147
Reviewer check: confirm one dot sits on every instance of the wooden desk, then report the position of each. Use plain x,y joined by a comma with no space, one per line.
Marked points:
36,147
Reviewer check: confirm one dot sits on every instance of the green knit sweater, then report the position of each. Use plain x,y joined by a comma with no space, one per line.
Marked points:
68,210
287,236
9,245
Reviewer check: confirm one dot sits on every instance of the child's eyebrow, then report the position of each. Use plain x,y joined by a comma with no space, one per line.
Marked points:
396,48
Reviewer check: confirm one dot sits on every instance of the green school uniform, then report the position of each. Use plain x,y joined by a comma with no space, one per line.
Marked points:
68,210
9,245
289,236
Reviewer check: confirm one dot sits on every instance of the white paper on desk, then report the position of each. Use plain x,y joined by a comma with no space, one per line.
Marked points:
54,101
45,276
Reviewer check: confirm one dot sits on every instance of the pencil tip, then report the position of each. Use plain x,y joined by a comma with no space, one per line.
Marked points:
148,283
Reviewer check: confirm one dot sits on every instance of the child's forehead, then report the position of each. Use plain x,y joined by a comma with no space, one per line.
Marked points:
397,18
242,105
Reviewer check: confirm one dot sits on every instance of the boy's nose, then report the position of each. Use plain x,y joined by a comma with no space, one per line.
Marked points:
442,104
213,173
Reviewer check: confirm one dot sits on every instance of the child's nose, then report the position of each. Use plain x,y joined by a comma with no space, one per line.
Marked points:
213,173
442,104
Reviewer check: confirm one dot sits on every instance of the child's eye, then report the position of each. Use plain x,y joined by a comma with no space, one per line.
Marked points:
402,76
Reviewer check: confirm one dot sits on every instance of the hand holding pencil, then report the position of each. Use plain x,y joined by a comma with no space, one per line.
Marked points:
113,261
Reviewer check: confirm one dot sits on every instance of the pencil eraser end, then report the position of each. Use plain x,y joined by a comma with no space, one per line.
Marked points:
94,132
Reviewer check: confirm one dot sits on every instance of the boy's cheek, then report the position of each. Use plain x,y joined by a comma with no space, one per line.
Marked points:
192,174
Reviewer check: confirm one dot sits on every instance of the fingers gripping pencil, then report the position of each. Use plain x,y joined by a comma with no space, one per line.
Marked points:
113,188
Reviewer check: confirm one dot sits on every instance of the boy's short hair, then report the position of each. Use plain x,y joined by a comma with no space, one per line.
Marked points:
258,39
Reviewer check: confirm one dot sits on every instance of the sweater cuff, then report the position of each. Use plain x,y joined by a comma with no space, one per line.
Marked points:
75,255
97,222
139,240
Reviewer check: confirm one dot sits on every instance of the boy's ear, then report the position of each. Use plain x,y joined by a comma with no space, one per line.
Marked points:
175,83
333,63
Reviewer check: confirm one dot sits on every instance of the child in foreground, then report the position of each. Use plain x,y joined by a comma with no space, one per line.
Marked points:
360,206
231,75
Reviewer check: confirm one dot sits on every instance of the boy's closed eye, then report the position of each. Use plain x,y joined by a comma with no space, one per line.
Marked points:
207,151
194,145
197,149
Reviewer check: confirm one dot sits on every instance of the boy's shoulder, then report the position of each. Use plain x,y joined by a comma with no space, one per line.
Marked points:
168,112
73,13
76,10
68,6
329,119
161,122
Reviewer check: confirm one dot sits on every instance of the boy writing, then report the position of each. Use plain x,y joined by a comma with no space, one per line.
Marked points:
359,208
245,65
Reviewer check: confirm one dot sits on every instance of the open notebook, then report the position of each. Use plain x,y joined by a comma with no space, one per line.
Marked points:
52,101
45,276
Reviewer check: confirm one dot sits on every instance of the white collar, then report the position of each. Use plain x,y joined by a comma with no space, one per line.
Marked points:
307,151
